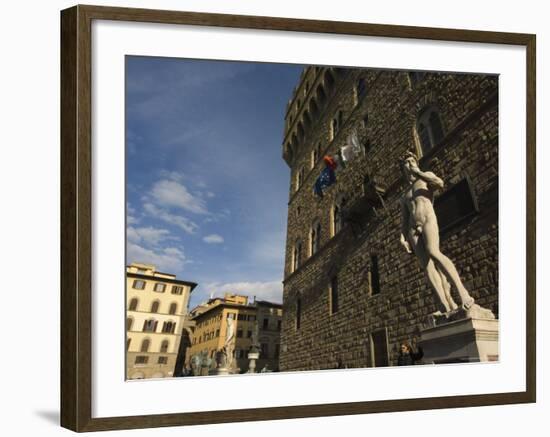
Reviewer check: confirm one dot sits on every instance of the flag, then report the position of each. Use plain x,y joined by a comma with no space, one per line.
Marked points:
351,150
325,180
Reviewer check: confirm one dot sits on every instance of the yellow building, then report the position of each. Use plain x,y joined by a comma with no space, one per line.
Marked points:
211,326
156,321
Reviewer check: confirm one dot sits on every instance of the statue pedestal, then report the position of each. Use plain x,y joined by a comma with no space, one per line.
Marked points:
252,356
220,371
460,341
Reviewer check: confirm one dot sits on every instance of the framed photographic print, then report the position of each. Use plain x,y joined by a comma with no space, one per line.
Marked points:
340,216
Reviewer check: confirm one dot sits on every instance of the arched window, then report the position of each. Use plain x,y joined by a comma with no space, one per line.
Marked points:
415,77
429,129
300,131
299,178
360,89
297,256
329,81
320,95
336,123
337,218
145,345
169,327
307,121
298,312
173,308
164,346
315,237
129,323
133,304
150,325
313,109
155,306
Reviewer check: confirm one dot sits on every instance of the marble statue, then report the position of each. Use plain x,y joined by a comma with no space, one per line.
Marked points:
420,235
224,357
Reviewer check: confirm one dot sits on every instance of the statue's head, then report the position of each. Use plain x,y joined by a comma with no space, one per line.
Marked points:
408,160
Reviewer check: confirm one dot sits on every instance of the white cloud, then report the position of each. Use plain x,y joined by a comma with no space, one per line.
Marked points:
169,259
171,193
271,291
213,239
148,235
131,218
174,219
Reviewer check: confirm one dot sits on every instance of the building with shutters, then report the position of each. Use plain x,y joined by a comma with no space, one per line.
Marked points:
351,292
210,319
157,323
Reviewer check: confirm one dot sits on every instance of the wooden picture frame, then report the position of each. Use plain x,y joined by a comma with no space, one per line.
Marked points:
76,217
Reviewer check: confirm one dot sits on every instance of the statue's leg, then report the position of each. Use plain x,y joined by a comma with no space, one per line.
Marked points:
447,289
430,236
434,278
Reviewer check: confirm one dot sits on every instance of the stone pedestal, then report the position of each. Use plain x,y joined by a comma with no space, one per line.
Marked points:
252,356
460,341
221,371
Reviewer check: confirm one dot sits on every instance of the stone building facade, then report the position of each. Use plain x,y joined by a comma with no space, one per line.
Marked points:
351,292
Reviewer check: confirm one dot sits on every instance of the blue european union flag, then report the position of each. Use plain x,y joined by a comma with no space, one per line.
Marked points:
325,180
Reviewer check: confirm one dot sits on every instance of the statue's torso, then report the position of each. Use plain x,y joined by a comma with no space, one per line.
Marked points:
419,201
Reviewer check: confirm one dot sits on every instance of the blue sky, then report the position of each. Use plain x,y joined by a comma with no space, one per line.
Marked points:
207,188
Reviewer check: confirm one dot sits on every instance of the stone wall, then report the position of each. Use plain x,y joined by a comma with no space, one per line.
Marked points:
385,118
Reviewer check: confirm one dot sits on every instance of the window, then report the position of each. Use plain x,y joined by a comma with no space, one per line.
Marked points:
338,215
164,346
169,327
264,352
365,120
138,284
129,323
298,313
278,325
329,80
277,351
374,275
155,306
429,129
379,349
177,289
315,237
415,77
142,359
145,345
454,205
314,157
336,124
334,295
150,325
320,94
133,304
313,109
159,288
299,178
162,360
297,256
360,89
241,317
173,308
265,324
217,332
248,334
239,333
